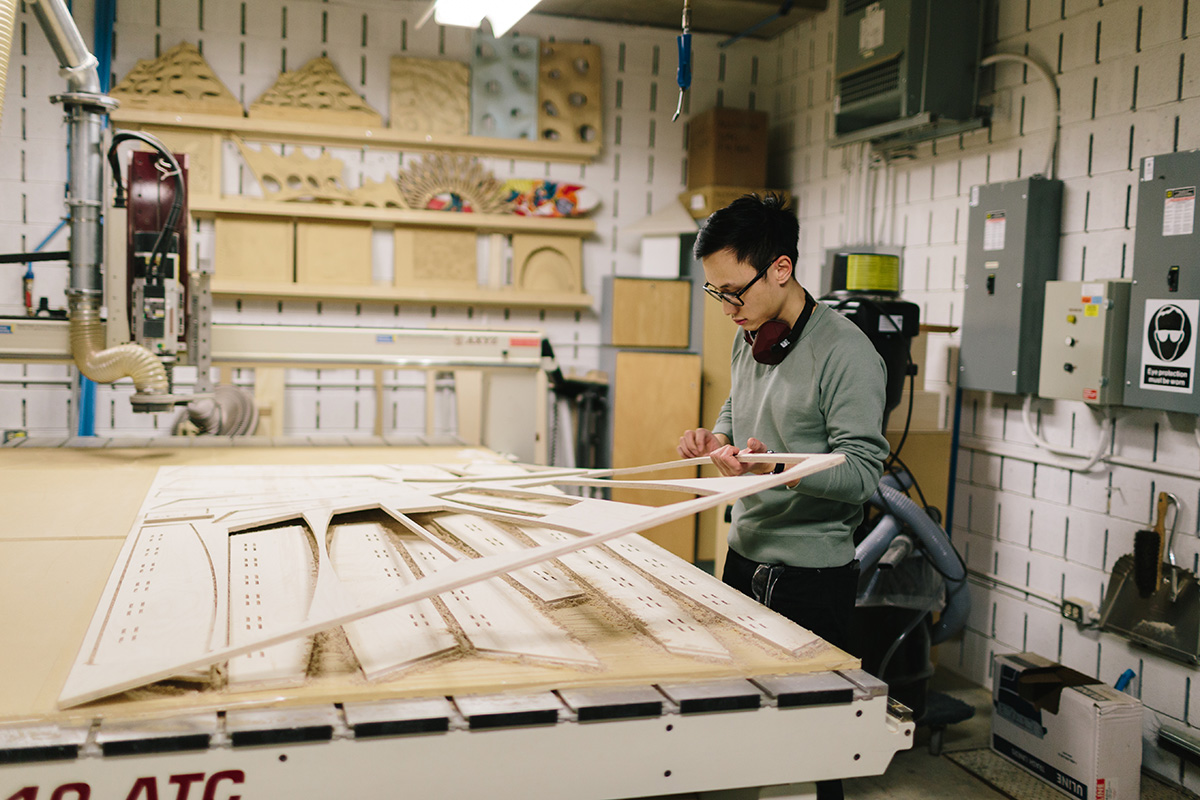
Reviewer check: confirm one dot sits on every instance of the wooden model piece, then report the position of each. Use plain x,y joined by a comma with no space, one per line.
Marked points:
296,176
430,95
254,249
315,93
504,94
185,592
178,80
378,194
426,257
569,80
333,252
453,183
548,263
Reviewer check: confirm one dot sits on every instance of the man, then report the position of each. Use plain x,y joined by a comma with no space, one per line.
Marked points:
804,380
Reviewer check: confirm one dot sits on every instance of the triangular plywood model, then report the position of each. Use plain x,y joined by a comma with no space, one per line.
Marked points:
193,587
315,93
178,80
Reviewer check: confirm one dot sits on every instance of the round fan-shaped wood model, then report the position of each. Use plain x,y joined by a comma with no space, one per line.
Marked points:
455,182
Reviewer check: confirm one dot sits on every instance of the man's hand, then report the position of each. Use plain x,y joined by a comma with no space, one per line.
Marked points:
699,442
725,459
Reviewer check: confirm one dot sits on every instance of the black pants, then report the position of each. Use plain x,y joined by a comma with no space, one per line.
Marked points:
820,599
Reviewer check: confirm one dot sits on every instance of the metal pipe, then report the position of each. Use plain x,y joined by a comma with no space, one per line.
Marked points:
86,107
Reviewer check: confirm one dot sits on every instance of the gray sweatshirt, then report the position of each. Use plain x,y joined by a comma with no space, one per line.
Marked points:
827,396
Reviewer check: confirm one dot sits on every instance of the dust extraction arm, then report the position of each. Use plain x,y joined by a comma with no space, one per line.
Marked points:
86,107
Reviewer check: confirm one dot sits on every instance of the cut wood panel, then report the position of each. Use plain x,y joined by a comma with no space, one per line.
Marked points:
333,252
258,249
315,93
203,165
367,563
272,578
651,313
657,399
718,597
544,581
660,617
498,619
569,101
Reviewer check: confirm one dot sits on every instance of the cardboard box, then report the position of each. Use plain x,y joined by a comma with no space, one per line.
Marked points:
1077,734
727,147
702,201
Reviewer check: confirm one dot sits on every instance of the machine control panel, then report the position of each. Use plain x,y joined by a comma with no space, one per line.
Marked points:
1083,341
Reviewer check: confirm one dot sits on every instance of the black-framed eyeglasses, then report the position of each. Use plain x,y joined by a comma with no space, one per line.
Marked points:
735,298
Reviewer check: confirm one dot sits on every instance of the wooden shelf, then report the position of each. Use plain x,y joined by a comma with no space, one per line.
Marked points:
304,133
507,297
202,207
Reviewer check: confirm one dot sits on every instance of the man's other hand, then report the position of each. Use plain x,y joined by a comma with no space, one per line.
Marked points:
699,442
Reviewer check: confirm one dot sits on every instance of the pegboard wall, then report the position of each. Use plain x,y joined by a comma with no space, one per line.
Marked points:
1129,80
642,168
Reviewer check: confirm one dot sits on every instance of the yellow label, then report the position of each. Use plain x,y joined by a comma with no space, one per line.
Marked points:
1091,310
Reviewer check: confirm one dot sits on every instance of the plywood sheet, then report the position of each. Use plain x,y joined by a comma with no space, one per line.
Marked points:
569,102
626,654
333,252
258,249
670,382
651,313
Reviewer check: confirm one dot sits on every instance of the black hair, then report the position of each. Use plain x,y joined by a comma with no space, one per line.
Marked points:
757,229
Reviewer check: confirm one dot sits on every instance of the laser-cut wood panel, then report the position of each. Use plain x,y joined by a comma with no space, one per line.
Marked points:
315,93
548,263
569,101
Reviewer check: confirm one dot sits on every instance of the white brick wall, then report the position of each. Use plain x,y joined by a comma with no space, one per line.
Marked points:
638,173
1040,525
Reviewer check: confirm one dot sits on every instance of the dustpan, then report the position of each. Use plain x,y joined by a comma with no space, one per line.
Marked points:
1168,621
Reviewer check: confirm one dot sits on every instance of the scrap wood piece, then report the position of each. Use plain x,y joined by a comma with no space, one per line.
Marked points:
178,80
593,522
315,93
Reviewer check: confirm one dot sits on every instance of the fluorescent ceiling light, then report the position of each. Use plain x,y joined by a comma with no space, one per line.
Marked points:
503,14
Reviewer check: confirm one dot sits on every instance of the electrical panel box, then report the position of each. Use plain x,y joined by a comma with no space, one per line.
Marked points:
1164,310
1012,250
1083,341
906,65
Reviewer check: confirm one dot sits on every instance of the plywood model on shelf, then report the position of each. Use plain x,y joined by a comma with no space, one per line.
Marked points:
315,93
569,102
548,263
178,80
432,257
409,566
430,95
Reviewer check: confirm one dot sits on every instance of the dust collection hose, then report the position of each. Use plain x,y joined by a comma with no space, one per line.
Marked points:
8,20
85,173
937,546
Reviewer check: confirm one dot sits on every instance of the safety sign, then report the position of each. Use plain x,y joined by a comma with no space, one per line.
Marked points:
1169,345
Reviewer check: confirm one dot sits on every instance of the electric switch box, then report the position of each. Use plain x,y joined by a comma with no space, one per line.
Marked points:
1083,341
1012,250
1164,306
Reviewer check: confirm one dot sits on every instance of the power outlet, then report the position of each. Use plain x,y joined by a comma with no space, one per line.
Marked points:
1081,612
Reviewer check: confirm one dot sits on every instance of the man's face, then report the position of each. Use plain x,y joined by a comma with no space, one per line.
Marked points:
760,302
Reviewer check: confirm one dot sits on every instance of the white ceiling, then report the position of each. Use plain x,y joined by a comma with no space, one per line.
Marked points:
727,17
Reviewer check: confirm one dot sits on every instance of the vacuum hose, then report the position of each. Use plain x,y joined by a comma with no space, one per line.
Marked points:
8,20
105,366
935,544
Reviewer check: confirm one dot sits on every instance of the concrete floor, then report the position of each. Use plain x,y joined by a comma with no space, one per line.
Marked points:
916,775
